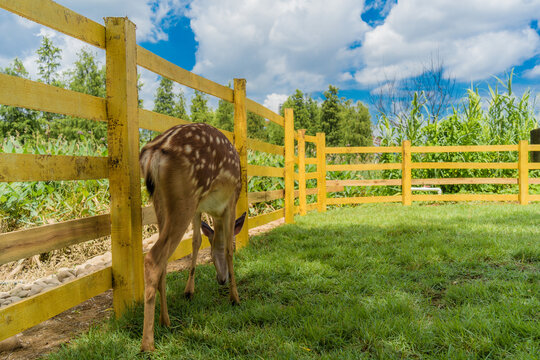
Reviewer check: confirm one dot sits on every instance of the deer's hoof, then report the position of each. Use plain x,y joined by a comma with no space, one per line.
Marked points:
188,295
165,322
147,347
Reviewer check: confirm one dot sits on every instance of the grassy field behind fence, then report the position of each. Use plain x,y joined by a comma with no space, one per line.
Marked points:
377,281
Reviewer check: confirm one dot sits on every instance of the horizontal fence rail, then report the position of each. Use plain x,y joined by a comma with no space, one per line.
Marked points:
30,167
16,91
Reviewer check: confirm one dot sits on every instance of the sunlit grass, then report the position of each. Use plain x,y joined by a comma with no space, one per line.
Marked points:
381,281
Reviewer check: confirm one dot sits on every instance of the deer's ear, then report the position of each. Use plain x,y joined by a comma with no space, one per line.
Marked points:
239,223
207,230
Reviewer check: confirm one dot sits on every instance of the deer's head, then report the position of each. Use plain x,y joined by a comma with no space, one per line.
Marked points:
218,247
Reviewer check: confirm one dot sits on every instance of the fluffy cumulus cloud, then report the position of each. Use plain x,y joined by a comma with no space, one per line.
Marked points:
279,45
474,38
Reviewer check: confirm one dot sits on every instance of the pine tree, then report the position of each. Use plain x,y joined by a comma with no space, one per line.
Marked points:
306,112
180,107
87,77
200,112
256,125
48,62
225,116
330,116
164,100
355,125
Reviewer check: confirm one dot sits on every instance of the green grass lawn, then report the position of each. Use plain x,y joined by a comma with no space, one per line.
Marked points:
375,281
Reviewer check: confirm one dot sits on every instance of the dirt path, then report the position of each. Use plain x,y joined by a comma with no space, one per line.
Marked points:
51,334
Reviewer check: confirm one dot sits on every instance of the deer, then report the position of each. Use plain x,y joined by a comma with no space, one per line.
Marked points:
189,170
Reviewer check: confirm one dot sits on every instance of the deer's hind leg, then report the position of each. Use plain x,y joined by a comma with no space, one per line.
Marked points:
196,244
164,314
155,271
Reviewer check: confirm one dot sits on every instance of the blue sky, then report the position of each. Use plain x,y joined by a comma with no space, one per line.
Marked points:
281,45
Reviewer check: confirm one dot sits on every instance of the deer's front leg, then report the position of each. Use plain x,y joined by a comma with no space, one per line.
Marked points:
196,244
233,292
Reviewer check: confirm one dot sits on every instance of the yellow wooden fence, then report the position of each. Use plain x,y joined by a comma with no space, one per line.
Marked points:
124,118
406,166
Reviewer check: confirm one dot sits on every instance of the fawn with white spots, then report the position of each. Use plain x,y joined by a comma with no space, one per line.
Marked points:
189,169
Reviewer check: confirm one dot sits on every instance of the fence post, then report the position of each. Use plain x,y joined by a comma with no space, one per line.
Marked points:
321,170
302,172
124,172
523,169
406,173
289,166
240,142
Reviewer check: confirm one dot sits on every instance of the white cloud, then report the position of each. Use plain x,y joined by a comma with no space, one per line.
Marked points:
151,17
274,101
278,45
533,73
474,38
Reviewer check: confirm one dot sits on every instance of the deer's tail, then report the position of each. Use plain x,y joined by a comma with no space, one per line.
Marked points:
149,160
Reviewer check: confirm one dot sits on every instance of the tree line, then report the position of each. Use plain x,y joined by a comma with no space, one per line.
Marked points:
344,122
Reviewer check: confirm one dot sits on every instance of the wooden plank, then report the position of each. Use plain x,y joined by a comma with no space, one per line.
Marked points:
406,177
321,170
259,220
16,91
58,17
534,166
21,244
154,63
311,161
534,197
266,113
185,248
262,146
261,196
124,173
466,197
523,172
363,149
464,181
463,165
151,120
289,173
371,182
441,181
312,175
534,181
30,167
533,147
311,207
363,200
258,170
148,215
31,311
329,188
302,172
462,148
364,167
159,122
310,138
240,143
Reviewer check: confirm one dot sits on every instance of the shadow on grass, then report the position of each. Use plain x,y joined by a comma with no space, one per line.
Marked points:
381,282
